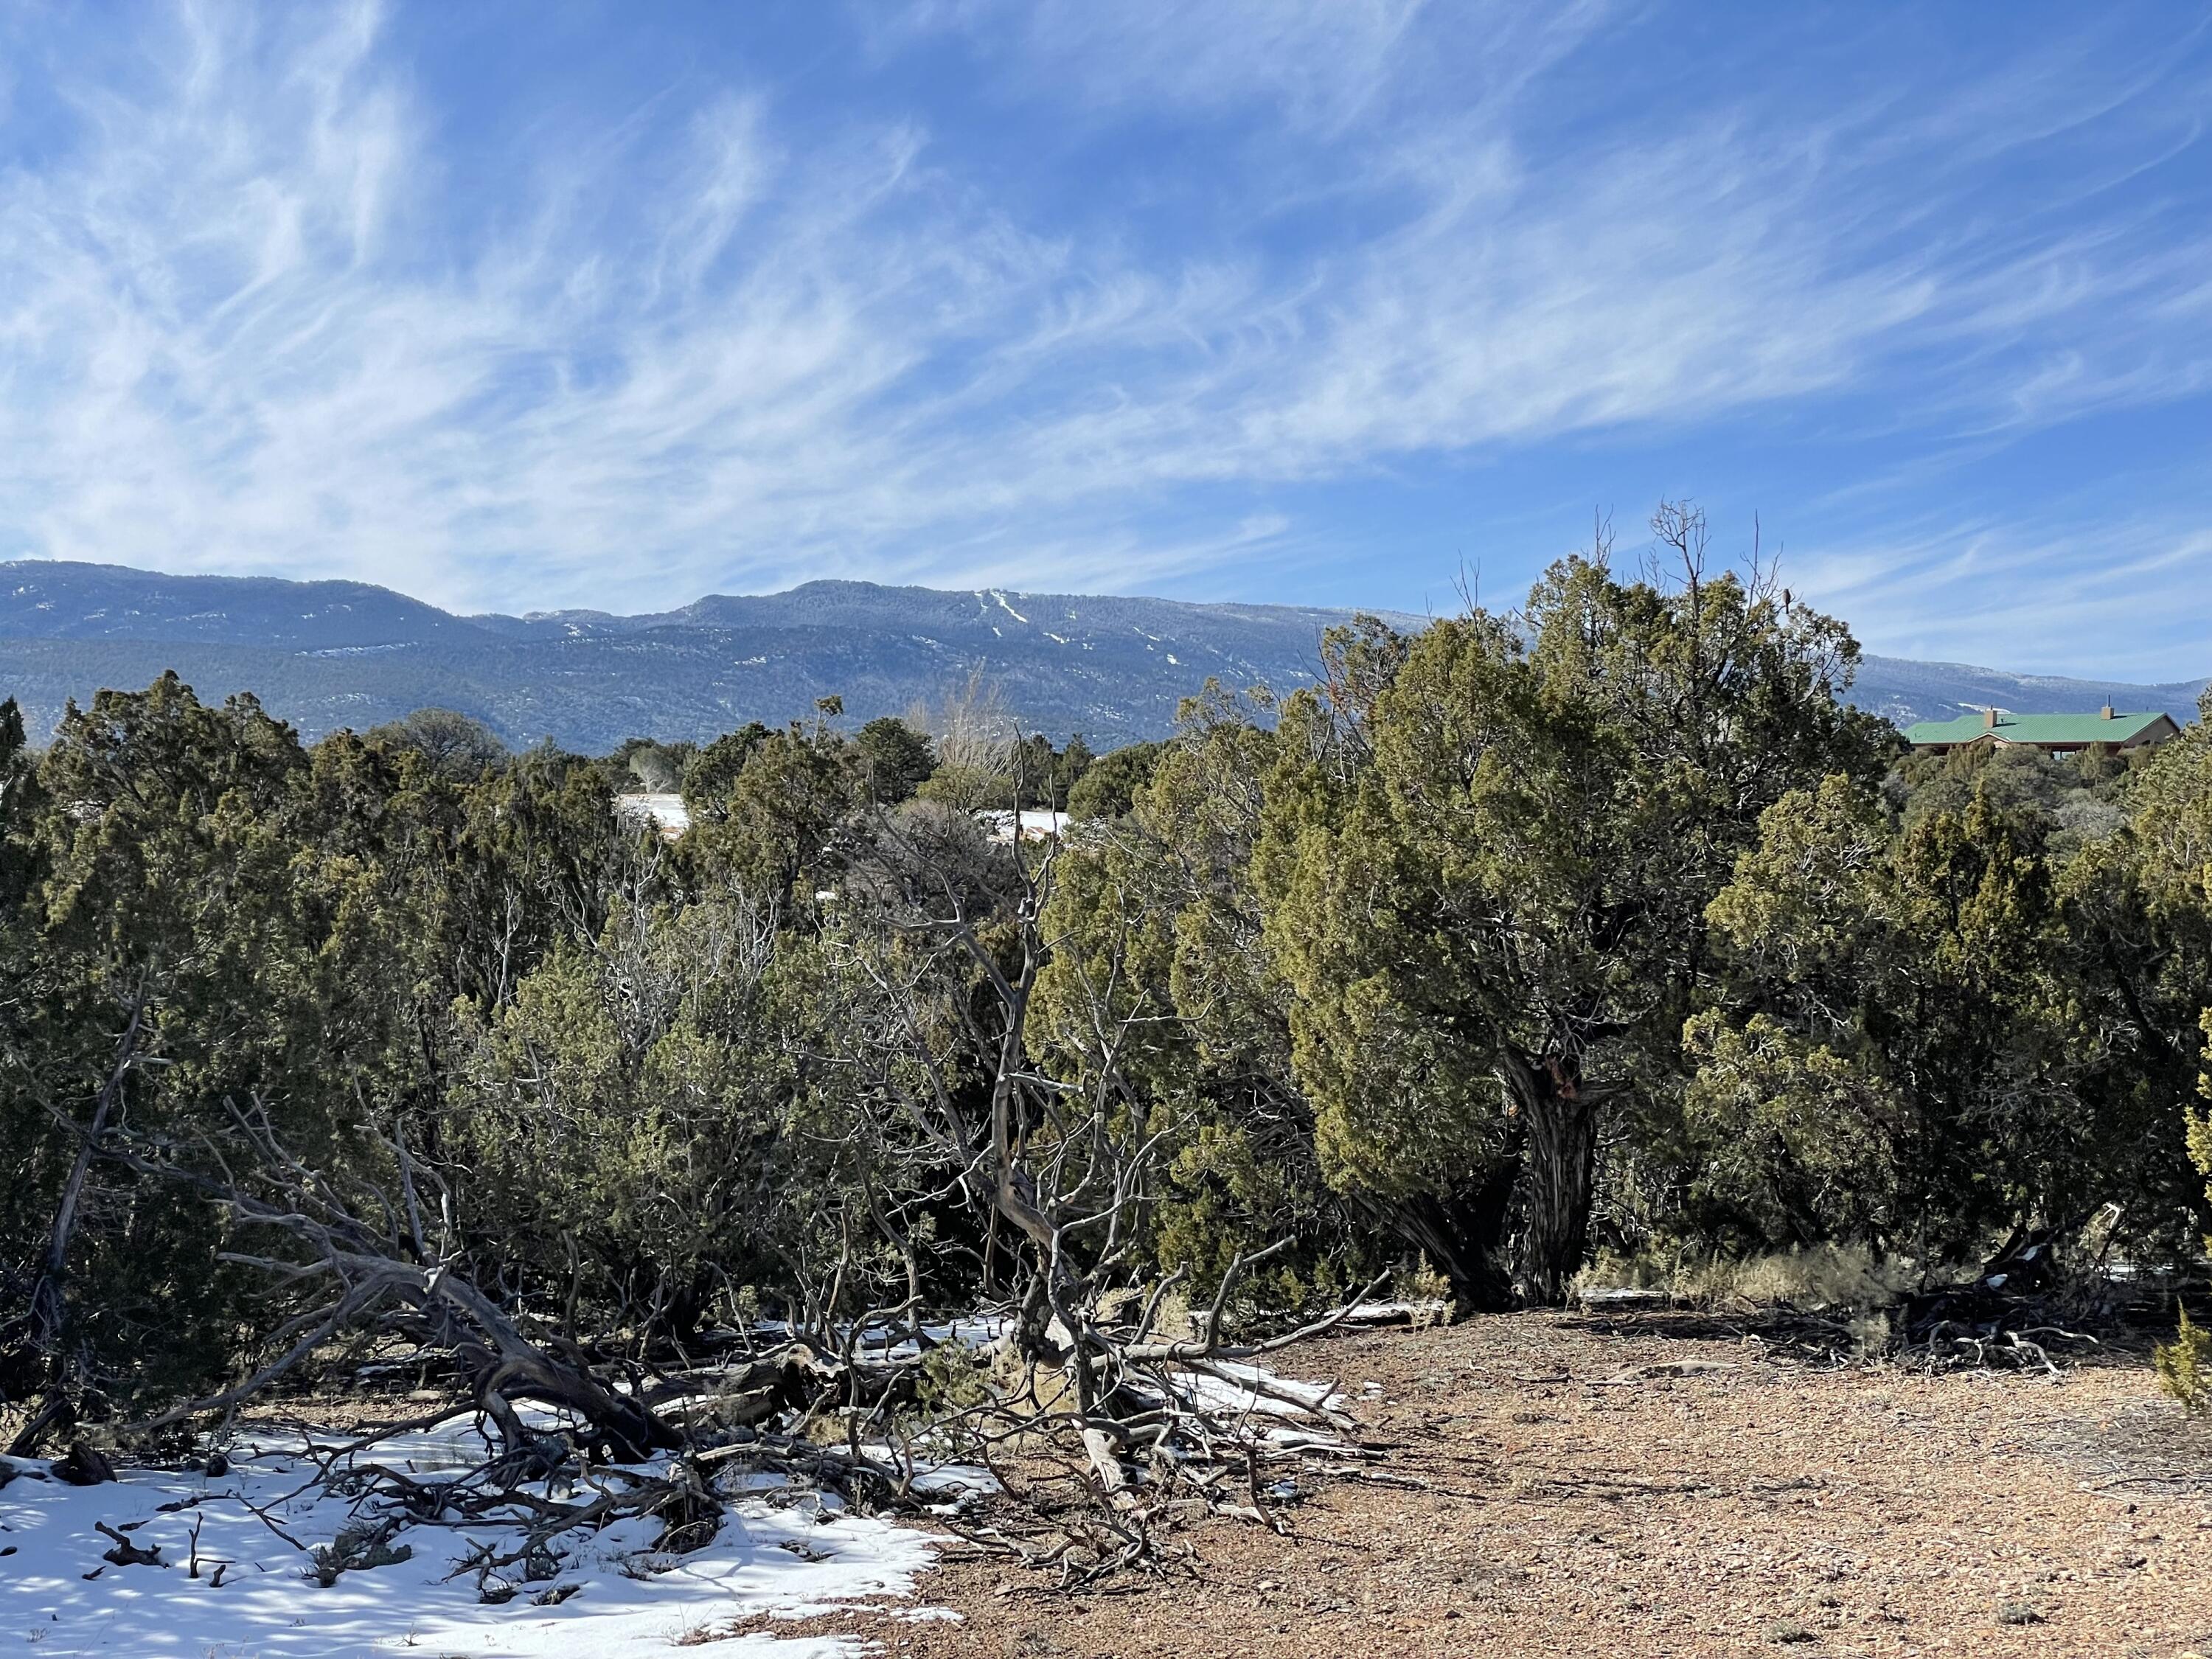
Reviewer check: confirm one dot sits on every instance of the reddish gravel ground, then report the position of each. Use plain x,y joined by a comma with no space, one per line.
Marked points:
1658,1486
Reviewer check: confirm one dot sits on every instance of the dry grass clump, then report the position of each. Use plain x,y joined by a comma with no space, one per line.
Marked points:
1820,1277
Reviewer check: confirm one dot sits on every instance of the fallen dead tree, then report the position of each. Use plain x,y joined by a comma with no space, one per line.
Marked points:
1178,1429
367,1262
2011,1315
1979,1325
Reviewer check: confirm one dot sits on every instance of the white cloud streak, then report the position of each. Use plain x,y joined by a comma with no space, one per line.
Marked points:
2038,598
1317,66
249,322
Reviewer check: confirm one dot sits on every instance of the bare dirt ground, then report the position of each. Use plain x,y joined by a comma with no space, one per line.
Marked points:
1654,1485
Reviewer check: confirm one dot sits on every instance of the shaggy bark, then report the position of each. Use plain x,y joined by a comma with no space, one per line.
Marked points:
1559,1176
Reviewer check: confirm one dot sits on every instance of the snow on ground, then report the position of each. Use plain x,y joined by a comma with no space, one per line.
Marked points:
1234,1391
58,1596
1034,824
664,811
778,1554
885,1346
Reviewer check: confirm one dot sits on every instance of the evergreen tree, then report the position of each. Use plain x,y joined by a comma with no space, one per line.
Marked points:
1490,894
895,758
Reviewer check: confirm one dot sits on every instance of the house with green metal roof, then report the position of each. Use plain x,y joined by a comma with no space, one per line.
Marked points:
2060,734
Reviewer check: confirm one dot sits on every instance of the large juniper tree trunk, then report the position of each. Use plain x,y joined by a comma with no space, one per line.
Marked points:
1462,1234
1559,1177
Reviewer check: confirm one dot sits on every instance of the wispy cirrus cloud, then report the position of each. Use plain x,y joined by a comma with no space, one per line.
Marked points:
1316,65
260,309
2015,594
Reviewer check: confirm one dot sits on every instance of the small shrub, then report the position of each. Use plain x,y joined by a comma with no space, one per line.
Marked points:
2185,1367
356,1549
1423,1289
833,1427
952,1379
1654,1269
1870,1334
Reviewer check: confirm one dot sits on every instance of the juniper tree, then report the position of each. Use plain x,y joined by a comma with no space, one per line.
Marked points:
1494,916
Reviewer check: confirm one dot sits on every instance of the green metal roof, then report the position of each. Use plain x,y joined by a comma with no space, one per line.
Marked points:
2035,728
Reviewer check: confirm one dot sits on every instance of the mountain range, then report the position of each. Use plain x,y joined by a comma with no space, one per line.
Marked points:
327,655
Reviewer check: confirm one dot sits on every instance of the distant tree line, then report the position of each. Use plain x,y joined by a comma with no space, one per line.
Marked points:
1604,925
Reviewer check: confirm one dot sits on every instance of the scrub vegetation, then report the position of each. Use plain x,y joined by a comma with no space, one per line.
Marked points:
1596,943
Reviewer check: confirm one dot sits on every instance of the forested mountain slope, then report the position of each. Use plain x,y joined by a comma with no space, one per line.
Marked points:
324,655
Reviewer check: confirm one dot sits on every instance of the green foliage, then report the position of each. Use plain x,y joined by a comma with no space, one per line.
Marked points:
635,1120
2199,1130
2074,797
1107,788
1882,1067
1601,925
1798,1141
1045,775
454,747
187,945
537,847
1035,764
896,759
2184,1367
1157,924
953,1378
1069,767
968,788
1487,865
779,834
1965,1020
21,803
712,775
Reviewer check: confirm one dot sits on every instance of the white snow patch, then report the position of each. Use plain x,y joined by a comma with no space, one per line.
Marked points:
1234,1392
791,1561
975,1333
663,812
1008,609
1037,824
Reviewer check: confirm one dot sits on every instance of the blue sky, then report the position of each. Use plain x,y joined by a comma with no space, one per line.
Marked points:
518,307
